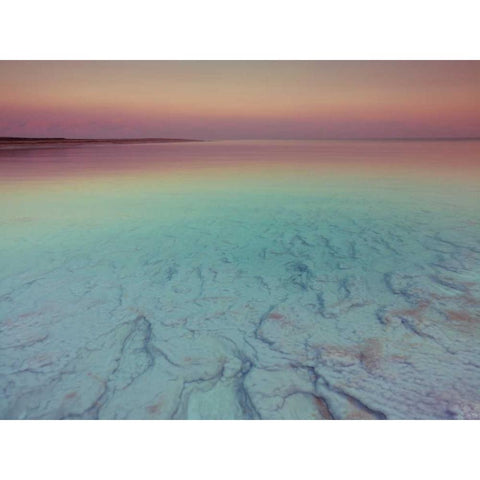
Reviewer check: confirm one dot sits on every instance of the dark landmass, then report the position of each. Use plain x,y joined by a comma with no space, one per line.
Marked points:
76,141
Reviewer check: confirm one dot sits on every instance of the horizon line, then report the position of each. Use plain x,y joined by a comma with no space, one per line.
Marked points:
178,139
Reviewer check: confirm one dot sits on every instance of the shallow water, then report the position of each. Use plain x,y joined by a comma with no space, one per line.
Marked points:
272,279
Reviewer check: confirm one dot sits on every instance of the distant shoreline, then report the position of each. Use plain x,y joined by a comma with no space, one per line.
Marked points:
74,141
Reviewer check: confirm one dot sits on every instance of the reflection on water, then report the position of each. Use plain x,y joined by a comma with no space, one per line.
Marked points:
241,280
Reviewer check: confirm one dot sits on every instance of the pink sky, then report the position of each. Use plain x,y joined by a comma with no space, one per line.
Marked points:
221,100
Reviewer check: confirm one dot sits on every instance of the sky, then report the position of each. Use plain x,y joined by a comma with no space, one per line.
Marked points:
240,99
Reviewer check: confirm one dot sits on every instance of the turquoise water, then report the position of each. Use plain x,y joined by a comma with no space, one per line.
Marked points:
241,282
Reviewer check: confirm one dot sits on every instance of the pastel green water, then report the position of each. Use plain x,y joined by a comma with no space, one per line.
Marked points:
241,280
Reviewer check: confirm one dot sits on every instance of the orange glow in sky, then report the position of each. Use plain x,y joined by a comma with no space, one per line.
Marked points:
238,99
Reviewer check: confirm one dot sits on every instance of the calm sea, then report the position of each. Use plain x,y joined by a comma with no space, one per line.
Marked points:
241,280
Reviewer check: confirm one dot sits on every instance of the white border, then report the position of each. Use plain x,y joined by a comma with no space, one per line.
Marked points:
247,29
239,450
